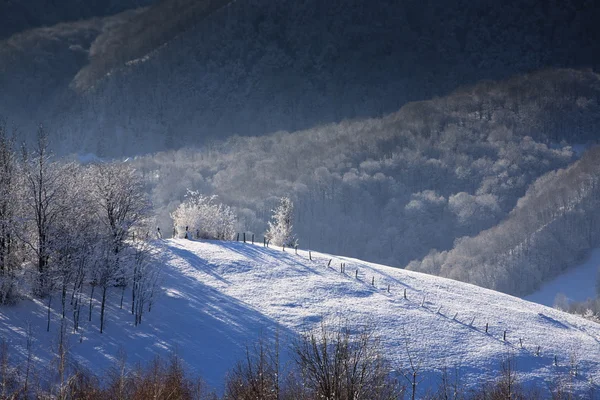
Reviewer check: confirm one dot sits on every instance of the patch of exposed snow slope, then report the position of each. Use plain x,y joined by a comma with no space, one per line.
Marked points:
577,284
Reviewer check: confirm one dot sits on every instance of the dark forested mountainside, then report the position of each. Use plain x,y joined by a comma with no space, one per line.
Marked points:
21,15
182,71
392,189
554,226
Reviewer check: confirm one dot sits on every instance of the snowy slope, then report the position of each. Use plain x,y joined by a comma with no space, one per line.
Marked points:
217,297
577,284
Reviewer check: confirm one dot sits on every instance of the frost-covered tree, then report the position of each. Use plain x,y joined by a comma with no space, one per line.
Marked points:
8,211
204,217
280,231
145,276
121,207
44,194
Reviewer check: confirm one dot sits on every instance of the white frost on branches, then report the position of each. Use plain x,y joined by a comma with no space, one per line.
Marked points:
204,218
280,231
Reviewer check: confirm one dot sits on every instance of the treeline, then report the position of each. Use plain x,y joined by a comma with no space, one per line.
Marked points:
66,228
331,362
392,189
554,226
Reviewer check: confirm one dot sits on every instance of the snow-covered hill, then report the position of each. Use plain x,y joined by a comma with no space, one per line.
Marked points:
217,297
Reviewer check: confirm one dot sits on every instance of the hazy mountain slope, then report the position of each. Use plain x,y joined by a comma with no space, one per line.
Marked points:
391,189
217,297
143,34
553,227
37,67
21,15
257,66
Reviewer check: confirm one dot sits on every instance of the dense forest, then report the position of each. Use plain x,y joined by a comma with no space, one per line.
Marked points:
125,84
553,226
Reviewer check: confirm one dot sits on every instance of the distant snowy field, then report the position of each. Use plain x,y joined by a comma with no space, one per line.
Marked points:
217,297
577,284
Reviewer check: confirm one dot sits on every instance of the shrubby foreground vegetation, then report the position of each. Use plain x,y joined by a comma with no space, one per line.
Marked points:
332,363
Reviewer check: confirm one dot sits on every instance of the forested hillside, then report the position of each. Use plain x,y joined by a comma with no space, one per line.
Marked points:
212,69
553,227
392,189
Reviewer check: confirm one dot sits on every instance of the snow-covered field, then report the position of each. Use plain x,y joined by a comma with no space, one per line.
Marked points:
217,297
577,284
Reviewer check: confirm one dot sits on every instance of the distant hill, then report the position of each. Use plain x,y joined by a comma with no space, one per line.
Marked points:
181,72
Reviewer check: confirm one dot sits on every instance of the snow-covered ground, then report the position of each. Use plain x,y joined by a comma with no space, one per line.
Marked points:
577,284
217,297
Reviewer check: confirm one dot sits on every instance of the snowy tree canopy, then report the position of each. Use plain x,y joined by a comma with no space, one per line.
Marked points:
280,231
204,218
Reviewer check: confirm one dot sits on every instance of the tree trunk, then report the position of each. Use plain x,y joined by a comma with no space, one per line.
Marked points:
91,299
122,294
49,305
104,289
64,298
133,290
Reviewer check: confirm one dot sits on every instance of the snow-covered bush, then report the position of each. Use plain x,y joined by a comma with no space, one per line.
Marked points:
280,231
203,217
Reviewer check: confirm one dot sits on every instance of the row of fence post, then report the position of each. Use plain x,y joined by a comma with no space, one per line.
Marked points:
405,296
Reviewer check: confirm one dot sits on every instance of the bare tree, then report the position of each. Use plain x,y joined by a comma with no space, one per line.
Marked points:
8,211
257,376
340,365
145,276
412,365
44,191
122,205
